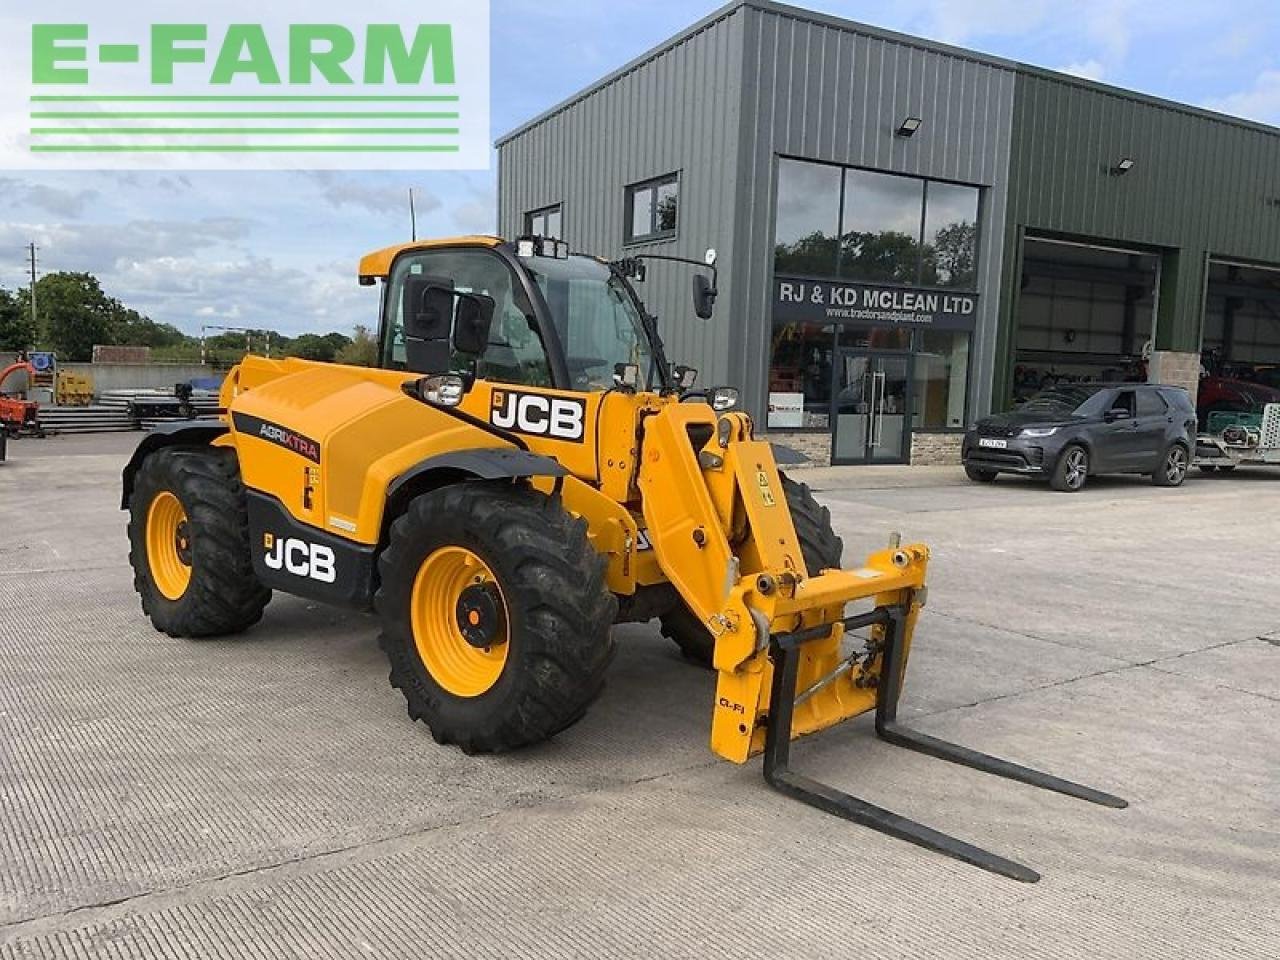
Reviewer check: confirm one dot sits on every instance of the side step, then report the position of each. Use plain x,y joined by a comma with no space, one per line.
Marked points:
785,654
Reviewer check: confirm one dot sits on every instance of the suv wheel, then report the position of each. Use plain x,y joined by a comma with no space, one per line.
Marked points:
978,475
1173,467
1072,470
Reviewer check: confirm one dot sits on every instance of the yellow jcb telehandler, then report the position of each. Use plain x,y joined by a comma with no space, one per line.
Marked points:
524,470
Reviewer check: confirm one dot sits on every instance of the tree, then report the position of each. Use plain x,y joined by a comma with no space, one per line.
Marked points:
884,257
17,332
950,260
76,313
313,346
362,351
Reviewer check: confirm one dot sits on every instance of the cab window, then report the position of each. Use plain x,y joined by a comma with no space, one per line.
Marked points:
1124,401
1151,404
515,353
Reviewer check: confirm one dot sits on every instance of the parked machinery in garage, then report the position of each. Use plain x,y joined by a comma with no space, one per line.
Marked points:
528,471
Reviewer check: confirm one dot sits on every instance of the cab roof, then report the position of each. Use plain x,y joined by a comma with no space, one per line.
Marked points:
376,265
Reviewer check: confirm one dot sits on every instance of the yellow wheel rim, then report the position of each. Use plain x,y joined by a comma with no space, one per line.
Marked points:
460,623
168,545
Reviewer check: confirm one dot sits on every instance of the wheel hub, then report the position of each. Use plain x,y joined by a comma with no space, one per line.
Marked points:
182,543
480,615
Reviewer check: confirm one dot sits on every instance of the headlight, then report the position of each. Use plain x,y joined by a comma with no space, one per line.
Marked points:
1039,431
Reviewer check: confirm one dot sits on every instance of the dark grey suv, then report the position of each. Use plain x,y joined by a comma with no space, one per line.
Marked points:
1071,432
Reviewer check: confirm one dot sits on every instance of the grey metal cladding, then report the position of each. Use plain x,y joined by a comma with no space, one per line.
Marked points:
823,89
674,110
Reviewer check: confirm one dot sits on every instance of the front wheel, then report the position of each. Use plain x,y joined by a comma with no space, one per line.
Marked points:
819,545
495,615
189,544
1072,470
978,475
1173,467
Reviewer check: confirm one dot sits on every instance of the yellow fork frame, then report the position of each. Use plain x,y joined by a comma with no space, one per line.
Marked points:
719,523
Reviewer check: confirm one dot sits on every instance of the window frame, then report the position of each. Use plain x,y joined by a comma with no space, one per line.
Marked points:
532,215
983,210
504,253
630,237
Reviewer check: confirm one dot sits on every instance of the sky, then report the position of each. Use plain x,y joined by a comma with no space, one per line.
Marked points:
279,250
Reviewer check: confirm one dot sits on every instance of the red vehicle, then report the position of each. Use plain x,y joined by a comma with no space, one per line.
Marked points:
1219,393
16,414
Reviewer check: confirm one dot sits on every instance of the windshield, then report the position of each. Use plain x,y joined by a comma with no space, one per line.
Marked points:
597,318
1065,399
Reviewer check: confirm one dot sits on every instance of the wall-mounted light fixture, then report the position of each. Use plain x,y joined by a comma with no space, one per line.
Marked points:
909,127
1123,167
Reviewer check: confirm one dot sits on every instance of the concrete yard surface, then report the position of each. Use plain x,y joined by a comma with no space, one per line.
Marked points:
266,796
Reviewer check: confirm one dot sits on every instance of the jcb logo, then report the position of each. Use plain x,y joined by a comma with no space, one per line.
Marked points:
300,558
541,416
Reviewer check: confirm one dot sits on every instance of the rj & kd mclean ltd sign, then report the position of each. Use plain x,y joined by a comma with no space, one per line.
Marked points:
829,301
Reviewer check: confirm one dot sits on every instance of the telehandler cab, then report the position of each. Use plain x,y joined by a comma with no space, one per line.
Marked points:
525,470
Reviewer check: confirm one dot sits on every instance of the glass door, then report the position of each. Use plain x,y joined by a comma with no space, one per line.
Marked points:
870,412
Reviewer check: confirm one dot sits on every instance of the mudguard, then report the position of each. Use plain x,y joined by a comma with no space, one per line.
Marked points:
184,432
485,463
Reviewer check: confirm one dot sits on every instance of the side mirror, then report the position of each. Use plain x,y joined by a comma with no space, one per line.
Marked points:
704,297
471,323
432,313
428,316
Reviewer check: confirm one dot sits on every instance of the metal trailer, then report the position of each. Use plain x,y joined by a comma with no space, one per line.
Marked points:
1241,444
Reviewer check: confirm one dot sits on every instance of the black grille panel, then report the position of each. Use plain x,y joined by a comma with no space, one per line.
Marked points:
996,430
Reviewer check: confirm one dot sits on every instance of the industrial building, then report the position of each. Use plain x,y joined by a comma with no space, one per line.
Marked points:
910,235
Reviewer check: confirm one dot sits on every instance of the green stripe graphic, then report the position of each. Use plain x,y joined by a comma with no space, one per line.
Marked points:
243,148
272,98
225,115
236,131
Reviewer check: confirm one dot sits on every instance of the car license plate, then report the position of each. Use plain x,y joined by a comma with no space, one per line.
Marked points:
993,444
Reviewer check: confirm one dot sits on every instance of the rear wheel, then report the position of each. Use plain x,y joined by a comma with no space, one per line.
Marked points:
189,544
819,545
495,615
1072,470
978,475
1173,467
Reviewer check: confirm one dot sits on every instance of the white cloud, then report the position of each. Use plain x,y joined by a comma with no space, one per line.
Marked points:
1260,102
476,216
47,199
1087,69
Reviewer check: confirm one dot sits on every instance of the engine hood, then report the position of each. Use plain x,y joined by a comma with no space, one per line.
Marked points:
1019,418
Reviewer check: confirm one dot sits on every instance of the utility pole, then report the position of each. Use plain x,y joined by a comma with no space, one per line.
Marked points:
32,248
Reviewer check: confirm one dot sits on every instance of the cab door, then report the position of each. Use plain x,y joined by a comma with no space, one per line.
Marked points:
1116,445
1154,420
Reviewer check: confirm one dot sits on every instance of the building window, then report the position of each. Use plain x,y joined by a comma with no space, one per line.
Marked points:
807,233
869,227
880,228
800,376
543,223
653,209
942,380
949,253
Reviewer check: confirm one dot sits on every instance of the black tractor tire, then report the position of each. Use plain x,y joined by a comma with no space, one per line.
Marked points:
1174,464
978,475
819,545
223,596
559,614
1071,472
